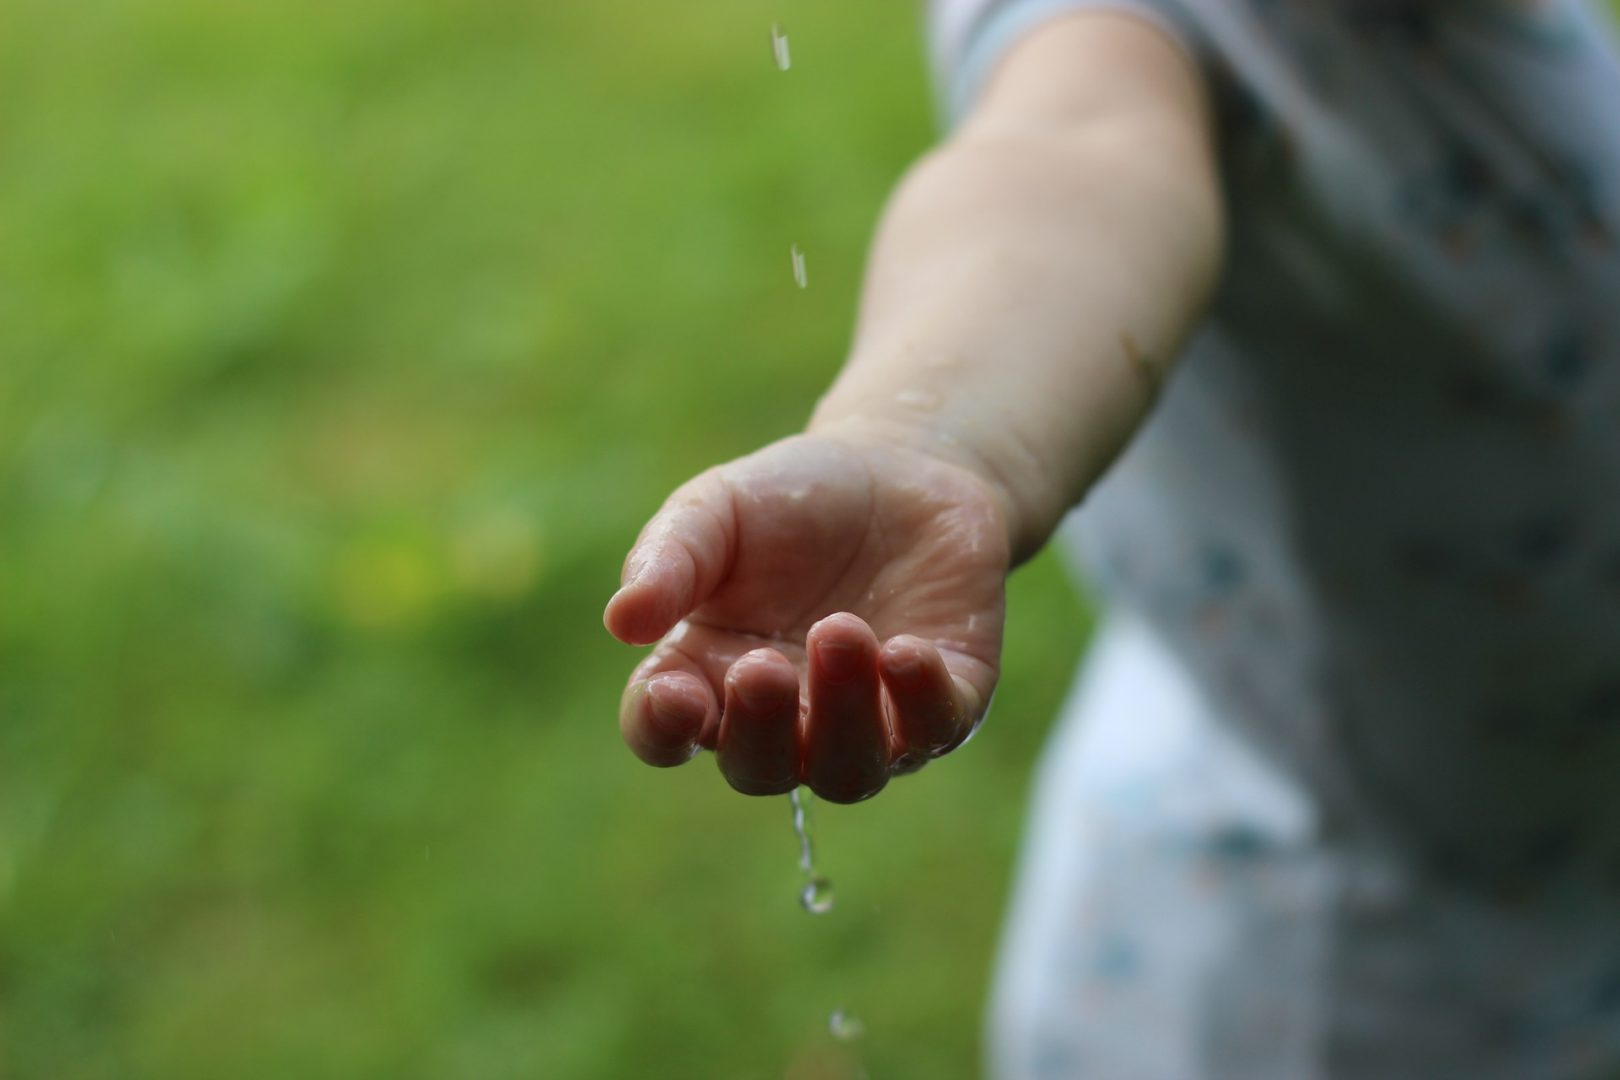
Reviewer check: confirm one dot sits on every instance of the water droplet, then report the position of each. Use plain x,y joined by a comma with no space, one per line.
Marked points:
800,799
921,400
779,48
844,1027
817,895
800,278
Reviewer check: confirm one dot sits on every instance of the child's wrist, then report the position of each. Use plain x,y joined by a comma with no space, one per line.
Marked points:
909,434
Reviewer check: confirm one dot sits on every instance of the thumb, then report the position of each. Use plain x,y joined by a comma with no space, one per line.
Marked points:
679,559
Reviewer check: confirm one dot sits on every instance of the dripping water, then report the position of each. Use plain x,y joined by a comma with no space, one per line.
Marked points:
779,48
816,895
799,277
844,1027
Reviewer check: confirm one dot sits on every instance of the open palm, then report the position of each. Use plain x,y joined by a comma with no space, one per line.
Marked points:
830,612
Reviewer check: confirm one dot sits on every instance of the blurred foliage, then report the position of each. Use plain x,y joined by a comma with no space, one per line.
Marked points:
343,349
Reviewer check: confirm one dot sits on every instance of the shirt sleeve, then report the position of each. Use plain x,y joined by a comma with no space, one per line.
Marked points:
968,37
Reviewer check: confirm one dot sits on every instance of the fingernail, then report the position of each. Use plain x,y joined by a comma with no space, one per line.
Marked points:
907,666
840,662
663,714
758,699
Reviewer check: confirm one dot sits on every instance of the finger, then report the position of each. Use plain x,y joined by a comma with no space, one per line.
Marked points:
758,748
975,682
907,764
662,717
846,738
707,655
929,713
677,561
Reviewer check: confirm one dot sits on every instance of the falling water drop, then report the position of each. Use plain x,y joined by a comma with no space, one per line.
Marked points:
800,278
801,827
844,1027
779,48
816,896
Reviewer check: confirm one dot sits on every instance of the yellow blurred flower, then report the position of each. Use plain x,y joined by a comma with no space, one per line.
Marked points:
387,583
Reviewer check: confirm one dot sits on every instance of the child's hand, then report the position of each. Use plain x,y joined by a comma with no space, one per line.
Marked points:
831,613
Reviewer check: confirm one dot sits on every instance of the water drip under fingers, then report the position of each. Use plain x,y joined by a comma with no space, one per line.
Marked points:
816,895
816,891
779,48
844,1027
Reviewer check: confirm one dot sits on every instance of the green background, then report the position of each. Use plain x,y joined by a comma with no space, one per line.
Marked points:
344,347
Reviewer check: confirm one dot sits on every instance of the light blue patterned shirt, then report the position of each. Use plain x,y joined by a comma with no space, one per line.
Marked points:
1375,517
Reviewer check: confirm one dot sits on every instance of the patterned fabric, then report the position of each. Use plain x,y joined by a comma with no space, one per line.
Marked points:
1370,541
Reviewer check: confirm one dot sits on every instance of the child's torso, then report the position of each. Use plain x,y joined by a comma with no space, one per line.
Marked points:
1378,511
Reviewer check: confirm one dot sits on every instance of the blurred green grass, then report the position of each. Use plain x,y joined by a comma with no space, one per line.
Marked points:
343,349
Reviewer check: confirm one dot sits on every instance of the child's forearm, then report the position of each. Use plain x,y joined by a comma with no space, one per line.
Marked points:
1032,277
